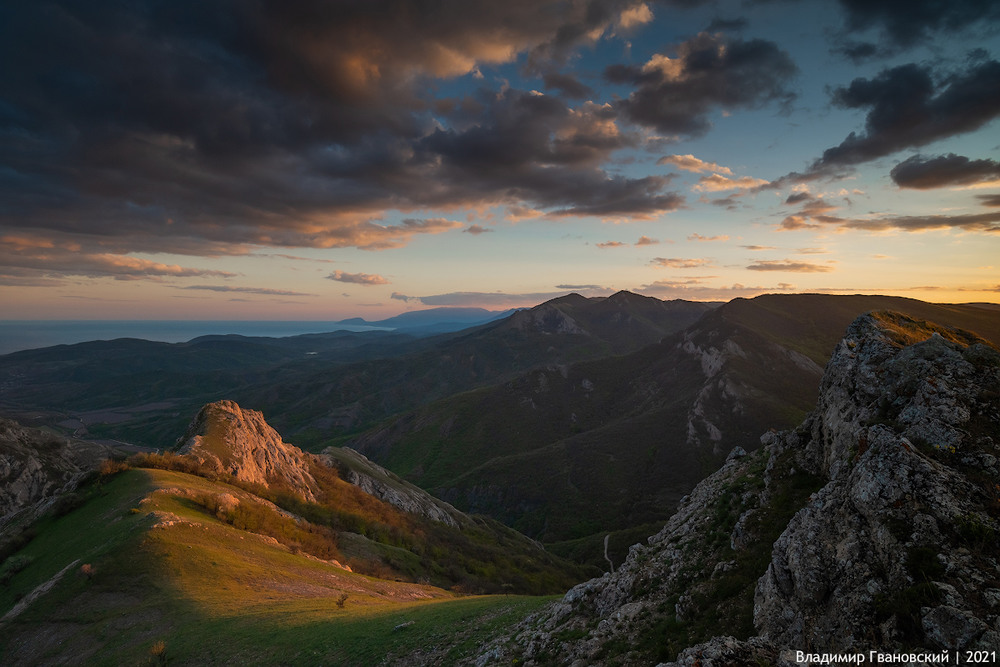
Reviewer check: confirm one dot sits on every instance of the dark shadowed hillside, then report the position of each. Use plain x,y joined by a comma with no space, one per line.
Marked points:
317,386
870,527
569,451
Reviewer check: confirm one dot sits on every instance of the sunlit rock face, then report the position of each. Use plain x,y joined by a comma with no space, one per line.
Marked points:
241,443
875,525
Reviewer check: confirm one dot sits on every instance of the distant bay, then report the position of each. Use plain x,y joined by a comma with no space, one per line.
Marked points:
18,335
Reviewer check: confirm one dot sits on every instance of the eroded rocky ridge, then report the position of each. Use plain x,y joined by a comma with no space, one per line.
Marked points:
375,480
37,467
875,525
239,442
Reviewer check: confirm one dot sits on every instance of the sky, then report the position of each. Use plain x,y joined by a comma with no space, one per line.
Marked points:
323,160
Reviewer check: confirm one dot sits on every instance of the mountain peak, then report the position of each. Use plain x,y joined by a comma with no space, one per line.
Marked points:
241,443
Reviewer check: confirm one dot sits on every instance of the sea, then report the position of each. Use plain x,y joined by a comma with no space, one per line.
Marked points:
16,335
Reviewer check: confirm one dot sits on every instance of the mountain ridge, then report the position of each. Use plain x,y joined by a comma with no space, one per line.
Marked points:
653,421
871,526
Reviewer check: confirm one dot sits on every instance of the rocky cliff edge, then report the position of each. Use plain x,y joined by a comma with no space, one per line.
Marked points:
873,526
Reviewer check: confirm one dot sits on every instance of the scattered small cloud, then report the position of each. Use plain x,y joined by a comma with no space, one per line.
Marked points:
486,299
789,266
758,247
699,237
477,230
680,263
357,278
611,244
698,290
719,183
297,258
691,163
645,240
265,291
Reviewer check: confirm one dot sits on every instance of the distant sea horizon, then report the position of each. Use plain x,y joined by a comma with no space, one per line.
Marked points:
17,335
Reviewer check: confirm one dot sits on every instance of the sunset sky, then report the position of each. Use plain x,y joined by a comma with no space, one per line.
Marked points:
323,160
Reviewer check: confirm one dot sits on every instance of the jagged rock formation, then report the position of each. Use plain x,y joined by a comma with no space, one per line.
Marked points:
873,526
241,443
37,467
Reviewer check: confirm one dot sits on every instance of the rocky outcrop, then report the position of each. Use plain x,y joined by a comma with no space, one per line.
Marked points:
900,547
37,467
376,481
873,526
240,443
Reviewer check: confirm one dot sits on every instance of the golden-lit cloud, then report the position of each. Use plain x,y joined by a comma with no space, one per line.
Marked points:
611,244
43,259
680,263
789,266
357,278
700,290
719,183
691,163
698,237
635,16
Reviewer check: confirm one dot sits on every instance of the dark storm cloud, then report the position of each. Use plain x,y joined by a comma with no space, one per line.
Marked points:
569,85
925,173
907,108
989,200
976,222
532,147
908,22
675,95
476,230
798,197
210,127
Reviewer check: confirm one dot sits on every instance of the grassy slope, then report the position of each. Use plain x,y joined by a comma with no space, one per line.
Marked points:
212,593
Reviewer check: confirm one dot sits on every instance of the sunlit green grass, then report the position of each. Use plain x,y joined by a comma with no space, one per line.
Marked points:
199,591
